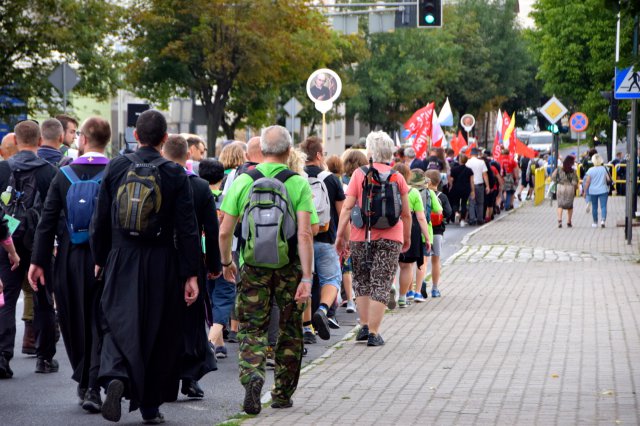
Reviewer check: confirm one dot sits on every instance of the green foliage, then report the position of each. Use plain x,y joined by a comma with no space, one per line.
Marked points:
36,36
480,59
234,56
575,40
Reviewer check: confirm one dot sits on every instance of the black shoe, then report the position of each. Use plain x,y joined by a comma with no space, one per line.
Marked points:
111,409
282,404
192,389
233,337
363,334
309,338
321,324
375,340
5,370
423,290
82,392
159,418
47,366
333,323
252,395
92,401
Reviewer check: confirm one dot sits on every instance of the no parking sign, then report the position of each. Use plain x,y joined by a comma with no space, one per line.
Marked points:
579,122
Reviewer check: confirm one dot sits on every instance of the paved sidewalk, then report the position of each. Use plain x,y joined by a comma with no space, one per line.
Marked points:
537,325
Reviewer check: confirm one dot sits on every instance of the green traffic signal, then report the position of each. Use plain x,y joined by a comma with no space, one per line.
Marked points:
553,128
429,19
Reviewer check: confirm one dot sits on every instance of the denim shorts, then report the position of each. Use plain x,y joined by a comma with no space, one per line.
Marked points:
223,298
327,264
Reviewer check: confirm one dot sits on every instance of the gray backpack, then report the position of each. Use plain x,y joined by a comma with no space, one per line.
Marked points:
269,232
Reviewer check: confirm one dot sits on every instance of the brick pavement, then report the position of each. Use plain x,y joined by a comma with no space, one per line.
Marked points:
537,325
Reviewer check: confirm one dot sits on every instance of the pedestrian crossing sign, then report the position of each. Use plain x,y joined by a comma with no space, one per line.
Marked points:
627,84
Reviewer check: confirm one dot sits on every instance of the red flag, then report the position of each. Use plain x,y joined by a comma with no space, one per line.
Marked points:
419,119
523,150
457,143
421,142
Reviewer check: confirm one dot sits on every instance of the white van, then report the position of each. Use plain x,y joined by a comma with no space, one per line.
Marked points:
541,142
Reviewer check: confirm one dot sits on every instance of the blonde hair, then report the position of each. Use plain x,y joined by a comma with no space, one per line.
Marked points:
296,161
353,159
597,160
233,155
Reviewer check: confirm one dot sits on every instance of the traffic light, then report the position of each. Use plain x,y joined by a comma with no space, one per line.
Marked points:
429,13
613,104
553,128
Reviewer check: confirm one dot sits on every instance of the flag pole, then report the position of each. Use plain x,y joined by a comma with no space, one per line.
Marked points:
324,130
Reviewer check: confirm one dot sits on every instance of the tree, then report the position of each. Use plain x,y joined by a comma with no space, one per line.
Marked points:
229,53
35,36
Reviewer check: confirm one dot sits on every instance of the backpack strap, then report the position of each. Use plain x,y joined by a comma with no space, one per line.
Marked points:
70,174
255,174
284,175
323,175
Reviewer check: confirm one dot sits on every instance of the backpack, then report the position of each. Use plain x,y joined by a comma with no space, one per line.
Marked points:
491,177
138,199
269,232
25,204
321,199
426,202
81,202
381,200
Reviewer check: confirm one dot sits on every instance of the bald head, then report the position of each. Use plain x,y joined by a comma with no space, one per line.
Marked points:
254,152
8,148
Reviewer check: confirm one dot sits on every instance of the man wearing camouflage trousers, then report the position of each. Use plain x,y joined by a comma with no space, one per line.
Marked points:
289,285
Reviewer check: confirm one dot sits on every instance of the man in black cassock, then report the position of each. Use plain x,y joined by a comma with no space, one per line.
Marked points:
197,359
76,288
147,282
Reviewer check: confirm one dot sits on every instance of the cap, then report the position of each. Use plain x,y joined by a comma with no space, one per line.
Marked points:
475,151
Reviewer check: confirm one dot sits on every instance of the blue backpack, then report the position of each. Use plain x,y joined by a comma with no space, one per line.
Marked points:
81,201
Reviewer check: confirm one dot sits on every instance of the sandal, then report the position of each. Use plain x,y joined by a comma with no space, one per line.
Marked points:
569,225
559,224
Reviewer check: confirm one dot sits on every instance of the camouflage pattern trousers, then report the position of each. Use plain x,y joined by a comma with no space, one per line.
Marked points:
253,308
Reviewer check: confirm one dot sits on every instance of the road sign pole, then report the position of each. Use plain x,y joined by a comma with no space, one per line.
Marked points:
64,90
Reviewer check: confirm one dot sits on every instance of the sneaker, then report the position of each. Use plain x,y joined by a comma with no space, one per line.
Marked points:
192,389
410,295
588,209
375,340
5,370
282,404
402,302
594,225
271,357
81,392
321,324
391,304
92,401
156,420
602,224
233,337
351,307
46,366
333,323
463,223
423,290
111,408
457,218
221,352
305,351
418,298
309,338
435,292
363,334
252,395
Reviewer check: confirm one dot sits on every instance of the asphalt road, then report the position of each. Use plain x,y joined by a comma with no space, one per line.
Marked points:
50,399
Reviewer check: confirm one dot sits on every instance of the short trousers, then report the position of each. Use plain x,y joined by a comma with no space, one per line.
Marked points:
374,279
436,246
327,264
223,299
347,266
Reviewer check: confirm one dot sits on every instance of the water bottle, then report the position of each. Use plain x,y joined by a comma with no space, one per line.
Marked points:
6,195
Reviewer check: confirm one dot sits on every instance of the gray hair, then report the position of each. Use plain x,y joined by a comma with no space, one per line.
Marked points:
597,160
51,129
380,147
410,152
275,140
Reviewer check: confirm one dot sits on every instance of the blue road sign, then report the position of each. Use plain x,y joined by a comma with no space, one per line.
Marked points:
579,122
627,84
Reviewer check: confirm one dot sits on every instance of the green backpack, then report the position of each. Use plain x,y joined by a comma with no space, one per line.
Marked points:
269,232
138,200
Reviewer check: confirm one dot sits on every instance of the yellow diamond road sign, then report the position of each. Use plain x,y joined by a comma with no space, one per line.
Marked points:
553,110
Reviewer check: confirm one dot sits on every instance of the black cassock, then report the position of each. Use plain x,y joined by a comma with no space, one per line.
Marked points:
143,299
77,292
198,359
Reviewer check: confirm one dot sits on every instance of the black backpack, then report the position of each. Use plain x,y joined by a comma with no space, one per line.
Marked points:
138,200
381,199
25,205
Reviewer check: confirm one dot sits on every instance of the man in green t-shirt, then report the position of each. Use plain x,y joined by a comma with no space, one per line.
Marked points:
289,285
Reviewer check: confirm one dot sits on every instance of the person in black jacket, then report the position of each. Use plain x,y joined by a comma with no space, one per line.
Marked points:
25,165
144,277
76,288
197,359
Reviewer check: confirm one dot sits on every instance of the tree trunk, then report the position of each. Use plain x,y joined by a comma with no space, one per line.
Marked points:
215,112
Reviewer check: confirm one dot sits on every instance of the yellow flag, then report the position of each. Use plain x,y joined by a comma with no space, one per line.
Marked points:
507,133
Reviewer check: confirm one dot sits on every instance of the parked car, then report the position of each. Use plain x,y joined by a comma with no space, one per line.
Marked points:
541,142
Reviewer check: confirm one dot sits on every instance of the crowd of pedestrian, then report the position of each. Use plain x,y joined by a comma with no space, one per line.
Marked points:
149,264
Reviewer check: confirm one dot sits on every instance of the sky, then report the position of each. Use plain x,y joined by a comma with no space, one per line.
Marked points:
526,7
